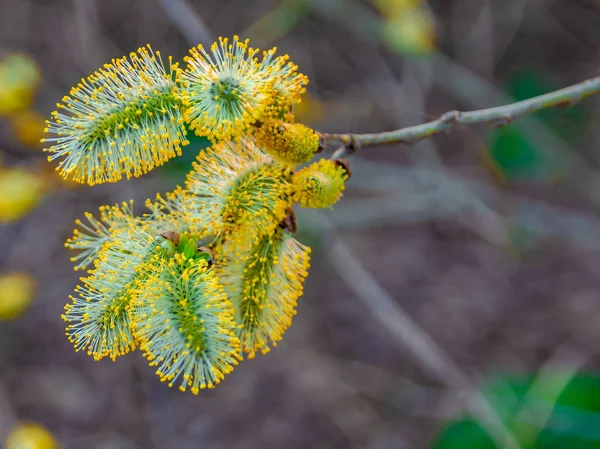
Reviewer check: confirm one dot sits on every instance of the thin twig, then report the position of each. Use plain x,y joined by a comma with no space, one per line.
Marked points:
410,335
188,21
500,115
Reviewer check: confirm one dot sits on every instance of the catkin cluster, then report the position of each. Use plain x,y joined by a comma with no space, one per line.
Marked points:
211,272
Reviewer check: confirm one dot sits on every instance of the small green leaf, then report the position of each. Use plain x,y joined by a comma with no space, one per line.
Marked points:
187,246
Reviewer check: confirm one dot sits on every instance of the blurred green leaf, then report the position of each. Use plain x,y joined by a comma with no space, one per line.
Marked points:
573,421
465,434
510,151
178,167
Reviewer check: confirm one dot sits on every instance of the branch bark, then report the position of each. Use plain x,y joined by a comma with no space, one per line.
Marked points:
499,116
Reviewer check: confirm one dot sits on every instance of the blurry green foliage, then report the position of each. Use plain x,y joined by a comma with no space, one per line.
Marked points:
511,152
178,167
556,417
279,21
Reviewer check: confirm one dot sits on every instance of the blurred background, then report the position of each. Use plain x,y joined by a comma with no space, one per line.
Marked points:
453,300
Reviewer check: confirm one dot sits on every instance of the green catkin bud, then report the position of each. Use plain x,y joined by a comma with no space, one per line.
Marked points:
184,322
319,185
264,282
122,121
289,143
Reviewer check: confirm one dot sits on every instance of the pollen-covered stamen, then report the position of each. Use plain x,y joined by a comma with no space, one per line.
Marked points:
88,240
122,121
184,322
286,85
264,283
224,93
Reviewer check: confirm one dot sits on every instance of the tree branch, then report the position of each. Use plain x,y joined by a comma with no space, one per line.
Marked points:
500,116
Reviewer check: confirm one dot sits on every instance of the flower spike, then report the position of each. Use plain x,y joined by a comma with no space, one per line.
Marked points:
184,322
237,185
97,316
122,121
264,283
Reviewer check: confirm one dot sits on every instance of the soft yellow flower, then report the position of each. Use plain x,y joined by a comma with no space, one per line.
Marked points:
20,191
89,237
122,121
413,33
28,127
16,293
182,210
289,143
19,79
30,436
319,185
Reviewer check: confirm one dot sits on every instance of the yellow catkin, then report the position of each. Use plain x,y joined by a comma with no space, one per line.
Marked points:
89,236
319,185
285,85
122,121
289,143
264,281
184,322
97,317
223,92
237,185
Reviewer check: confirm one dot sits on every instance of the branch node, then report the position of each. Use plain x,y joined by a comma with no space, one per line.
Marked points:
502,122
451,117
353,146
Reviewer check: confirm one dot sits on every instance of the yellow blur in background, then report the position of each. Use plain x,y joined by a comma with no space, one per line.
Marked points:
408,26
19,80
20,192
30,436
17,290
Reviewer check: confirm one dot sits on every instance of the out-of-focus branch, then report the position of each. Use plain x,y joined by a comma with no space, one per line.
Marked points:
407,333
500,116
188,21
